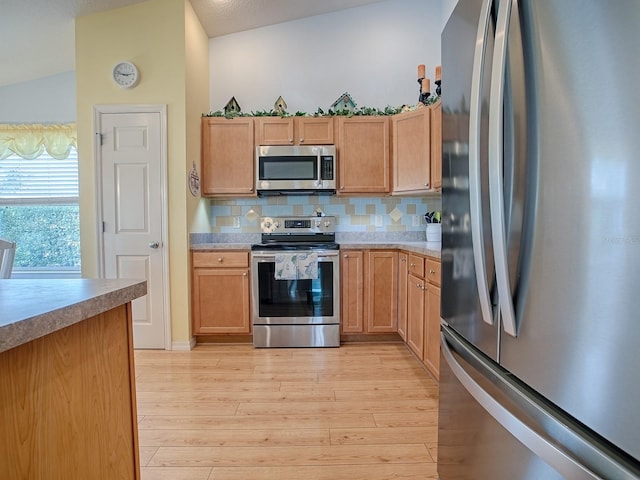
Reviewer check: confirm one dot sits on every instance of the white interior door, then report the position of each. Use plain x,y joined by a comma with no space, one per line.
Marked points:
132,164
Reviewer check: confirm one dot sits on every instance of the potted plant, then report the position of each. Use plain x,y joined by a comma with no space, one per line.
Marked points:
434,226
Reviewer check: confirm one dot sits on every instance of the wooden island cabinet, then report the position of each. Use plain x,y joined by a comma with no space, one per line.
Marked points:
67,379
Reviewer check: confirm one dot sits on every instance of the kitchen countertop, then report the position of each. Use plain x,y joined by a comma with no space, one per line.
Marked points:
431,249
30,309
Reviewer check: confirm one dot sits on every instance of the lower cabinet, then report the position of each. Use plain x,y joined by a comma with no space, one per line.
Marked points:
423,310
369,289
220,292
402,295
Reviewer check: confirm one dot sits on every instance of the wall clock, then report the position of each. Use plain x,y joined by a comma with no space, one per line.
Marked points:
125,74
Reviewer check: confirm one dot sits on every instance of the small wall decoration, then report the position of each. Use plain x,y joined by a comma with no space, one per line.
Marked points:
194,181
344,102
280,106
232,106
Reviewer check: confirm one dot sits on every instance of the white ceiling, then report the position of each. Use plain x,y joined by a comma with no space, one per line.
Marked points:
37,36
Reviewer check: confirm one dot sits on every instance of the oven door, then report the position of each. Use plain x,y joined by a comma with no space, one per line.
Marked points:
295,302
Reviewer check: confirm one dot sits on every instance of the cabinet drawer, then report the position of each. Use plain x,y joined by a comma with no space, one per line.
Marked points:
433,271
416,265
221,259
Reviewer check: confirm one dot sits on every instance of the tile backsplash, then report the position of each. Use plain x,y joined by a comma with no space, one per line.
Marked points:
353,214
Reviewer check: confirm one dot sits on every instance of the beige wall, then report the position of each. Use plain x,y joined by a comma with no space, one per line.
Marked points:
165,40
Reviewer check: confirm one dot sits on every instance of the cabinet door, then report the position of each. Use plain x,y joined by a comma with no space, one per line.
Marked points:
227,157
432,331
416,299
363,155
221,301
411,151
314,130
403,271
274,131
352,291
436,145
381,274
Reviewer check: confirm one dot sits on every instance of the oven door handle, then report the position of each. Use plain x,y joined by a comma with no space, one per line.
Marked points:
262,258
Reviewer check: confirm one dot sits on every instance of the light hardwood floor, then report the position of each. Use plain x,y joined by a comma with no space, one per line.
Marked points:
232,412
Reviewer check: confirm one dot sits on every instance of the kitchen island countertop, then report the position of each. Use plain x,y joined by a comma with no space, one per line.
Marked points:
33,308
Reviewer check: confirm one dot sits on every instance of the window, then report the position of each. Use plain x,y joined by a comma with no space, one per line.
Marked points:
39,211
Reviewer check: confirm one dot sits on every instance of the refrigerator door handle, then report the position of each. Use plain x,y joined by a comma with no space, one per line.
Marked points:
477,237
542,447
496,167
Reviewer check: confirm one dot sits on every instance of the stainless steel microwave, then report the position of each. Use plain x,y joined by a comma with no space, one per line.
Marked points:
296,169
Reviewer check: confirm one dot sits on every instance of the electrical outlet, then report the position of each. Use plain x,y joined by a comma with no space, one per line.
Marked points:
378,220
416,221
236,222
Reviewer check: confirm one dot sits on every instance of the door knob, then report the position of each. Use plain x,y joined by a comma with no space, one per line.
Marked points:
154,244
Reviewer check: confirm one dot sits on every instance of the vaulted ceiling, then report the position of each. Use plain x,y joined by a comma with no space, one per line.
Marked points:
37,36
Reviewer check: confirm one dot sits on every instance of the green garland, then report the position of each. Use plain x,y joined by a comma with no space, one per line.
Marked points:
360,111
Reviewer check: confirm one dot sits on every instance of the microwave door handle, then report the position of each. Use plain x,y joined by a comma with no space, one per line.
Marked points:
319,162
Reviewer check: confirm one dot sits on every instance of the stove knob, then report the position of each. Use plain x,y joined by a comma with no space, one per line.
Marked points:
267,224
327,223
276,224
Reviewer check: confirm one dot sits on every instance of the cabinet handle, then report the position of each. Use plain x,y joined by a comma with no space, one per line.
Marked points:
345,256
219,259
291,140
251,189
431,272
301,140
244,274
403,259
413,265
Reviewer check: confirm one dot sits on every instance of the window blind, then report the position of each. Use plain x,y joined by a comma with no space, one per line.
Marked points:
41,180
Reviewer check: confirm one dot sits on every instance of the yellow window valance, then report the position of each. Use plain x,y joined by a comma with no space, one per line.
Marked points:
31,140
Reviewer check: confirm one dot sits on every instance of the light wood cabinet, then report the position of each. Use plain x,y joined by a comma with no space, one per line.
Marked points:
352,291
227,157
415,314
432,331
294,131
369,286
436,145
417,150
363,155
403,272
220,292
69,403
431,355
423,310
381,292
411,140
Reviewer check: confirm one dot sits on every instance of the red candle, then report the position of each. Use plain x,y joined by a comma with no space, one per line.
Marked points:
421,71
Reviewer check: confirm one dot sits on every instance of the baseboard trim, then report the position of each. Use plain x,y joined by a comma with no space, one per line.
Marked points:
184,346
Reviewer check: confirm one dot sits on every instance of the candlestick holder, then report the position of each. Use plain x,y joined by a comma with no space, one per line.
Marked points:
438,87
420,89
424,97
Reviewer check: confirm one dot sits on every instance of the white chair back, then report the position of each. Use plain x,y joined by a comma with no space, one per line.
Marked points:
7,254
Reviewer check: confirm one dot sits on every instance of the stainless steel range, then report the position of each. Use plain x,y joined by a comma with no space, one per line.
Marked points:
295,275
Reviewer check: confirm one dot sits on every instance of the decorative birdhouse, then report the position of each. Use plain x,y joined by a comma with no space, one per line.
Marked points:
344,102
280,106
232,106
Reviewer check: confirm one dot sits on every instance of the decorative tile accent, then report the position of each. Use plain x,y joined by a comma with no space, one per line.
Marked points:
395,214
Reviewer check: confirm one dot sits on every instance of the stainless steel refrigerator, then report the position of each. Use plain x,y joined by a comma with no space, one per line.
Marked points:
540,368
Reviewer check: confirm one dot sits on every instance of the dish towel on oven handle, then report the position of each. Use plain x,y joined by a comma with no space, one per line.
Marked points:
296,266
307,266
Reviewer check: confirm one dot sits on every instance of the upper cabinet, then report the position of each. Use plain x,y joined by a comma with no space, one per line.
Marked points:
417,150
294,131
436,145
411,151
363,155
227,157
